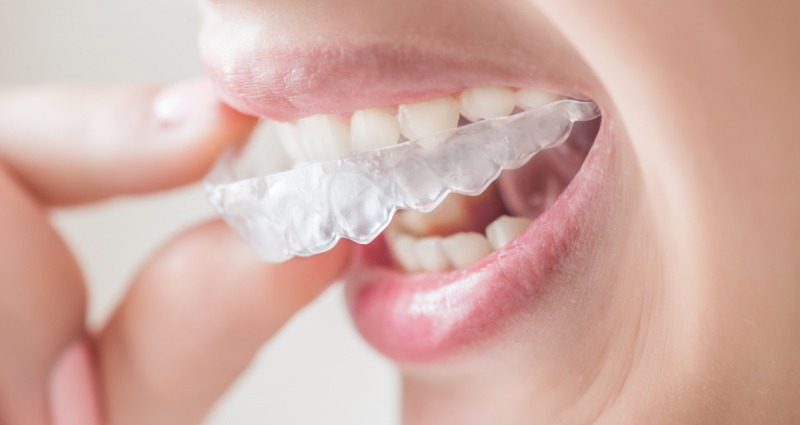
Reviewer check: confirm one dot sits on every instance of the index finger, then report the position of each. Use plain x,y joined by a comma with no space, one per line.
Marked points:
74,145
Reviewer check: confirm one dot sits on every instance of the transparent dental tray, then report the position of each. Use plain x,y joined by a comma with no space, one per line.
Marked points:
305,210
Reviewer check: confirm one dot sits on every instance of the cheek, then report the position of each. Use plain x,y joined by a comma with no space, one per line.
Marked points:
709,101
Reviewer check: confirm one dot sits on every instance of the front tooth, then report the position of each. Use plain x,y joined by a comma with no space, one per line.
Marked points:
403,249
431,254
487,102
464,249
426,118
291,141
373,129
530,98
324,137
501,231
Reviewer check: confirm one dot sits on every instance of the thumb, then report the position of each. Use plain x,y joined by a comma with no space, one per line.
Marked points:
73,145
194,318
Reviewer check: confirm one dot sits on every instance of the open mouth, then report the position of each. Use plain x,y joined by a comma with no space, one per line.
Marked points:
434,282
423,262
346,181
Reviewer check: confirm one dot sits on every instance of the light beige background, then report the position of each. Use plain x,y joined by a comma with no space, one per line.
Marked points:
317,371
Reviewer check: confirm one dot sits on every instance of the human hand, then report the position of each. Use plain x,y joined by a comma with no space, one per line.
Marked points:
199,308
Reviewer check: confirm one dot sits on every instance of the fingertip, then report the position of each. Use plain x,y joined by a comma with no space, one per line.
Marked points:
196,125
75,145
193,106
188,128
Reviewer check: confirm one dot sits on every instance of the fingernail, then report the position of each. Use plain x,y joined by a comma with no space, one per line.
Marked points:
186,101
72,389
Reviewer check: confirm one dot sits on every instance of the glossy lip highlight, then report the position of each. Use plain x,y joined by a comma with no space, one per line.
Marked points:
426,317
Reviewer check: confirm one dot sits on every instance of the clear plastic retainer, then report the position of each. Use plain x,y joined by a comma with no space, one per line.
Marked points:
306,210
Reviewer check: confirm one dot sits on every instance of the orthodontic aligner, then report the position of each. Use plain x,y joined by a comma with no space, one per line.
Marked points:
306,210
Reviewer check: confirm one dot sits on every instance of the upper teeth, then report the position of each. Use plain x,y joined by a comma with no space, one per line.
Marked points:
329,137
373,129
529,98
423,119
326,137
487,102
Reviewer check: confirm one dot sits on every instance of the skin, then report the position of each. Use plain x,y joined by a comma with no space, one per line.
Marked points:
142,366
690,312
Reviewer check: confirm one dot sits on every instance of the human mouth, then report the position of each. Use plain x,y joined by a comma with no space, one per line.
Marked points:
463,252
330,194
431,285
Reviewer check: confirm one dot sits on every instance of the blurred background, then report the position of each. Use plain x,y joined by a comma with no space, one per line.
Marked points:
317,370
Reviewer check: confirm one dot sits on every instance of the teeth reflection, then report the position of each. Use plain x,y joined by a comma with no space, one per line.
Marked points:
479,103
426,118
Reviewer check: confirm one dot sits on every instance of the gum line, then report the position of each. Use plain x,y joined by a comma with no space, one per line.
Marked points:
306,210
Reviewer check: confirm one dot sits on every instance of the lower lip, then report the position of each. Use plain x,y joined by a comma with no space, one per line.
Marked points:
423,318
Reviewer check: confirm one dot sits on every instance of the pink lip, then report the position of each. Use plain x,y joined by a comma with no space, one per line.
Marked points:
287,83
291,83
421,318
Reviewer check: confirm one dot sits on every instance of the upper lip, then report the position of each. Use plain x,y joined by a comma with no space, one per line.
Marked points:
261,74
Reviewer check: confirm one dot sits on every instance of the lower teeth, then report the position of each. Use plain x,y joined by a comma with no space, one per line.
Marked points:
457,251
